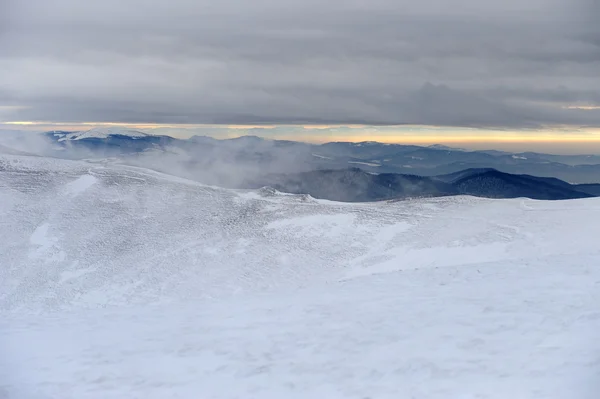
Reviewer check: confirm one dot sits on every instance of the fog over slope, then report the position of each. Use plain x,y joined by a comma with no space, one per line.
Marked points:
117,281
327,171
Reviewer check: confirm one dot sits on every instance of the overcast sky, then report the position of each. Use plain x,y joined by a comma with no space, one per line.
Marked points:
509,64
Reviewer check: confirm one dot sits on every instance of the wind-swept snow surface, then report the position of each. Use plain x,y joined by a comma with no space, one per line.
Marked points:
118,282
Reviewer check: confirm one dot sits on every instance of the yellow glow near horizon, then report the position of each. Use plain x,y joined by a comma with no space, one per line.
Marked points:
426,139
245,126
584,107
320,127
386,134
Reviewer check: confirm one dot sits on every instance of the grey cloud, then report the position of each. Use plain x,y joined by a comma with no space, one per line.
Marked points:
501,64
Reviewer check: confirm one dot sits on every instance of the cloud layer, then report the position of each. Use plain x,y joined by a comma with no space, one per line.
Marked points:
509,64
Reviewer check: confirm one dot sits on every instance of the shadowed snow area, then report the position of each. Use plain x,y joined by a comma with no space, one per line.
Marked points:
121,282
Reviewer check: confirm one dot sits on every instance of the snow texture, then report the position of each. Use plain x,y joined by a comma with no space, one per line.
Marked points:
121,282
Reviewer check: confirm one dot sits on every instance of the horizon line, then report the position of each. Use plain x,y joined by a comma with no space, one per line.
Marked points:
557,140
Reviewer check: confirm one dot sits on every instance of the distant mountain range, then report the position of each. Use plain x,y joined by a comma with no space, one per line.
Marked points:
341,171
356,185
281,156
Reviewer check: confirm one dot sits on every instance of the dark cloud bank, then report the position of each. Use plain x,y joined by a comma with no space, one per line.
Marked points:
509,64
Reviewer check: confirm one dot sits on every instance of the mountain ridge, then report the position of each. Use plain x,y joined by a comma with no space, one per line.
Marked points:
236,162
105,132
357,185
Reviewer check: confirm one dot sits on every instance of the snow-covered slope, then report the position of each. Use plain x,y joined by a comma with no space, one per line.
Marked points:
122,282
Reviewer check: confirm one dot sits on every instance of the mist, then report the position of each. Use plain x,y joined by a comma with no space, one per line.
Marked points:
341,171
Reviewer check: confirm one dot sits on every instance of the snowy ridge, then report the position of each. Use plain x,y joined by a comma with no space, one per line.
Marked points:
101,133
118,281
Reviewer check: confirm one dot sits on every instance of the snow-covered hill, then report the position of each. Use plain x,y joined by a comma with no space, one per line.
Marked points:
99,133
117,281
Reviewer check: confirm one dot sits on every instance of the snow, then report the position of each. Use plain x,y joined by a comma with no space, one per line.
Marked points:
101,133
80,184
446,148
44,246
148,286
518,157
364,163
39,235
320,156
314,225
426,335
